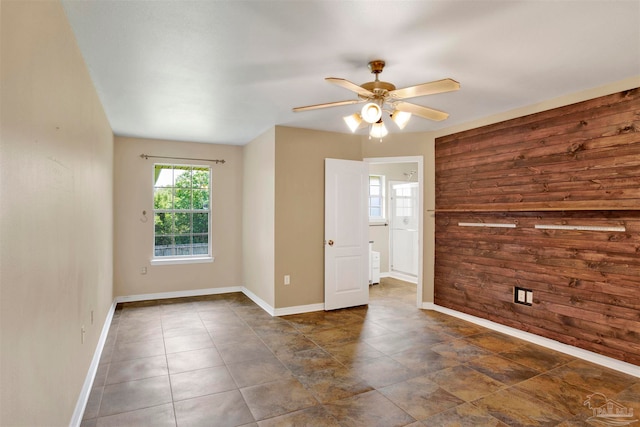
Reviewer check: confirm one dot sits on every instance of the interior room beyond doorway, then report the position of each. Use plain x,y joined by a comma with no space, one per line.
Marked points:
395,220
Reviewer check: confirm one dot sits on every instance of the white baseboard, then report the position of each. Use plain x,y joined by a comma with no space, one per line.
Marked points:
259,301
580,353
81,404
285,311
403,277
179,294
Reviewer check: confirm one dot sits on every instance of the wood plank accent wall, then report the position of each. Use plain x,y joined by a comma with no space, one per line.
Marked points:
582,156
574,165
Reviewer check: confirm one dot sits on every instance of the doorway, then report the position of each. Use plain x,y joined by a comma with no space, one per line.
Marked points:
398,236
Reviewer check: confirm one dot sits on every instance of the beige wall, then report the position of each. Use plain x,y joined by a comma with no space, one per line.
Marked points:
56,158
133,187
258,216
299,207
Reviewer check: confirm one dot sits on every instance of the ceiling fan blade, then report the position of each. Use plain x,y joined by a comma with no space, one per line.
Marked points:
431,88
328,104
351,86
419,110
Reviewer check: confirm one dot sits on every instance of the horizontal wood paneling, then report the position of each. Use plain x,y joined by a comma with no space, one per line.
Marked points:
575,165
585,155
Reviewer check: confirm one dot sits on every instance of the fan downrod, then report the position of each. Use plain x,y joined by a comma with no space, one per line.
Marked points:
378,87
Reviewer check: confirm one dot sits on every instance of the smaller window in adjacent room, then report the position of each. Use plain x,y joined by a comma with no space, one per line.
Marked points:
181,211
376,198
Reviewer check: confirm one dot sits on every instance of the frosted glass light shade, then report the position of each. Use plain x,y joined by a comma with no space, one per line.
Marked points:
378,130
371,112
400,118
353,121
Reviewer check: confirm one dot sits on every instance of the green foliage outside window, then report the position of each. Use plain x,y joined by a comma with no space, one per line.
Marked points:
181,210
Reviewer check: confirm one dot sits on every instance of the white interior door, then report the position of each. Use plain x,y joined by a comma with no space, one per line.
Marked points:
346,248
404,228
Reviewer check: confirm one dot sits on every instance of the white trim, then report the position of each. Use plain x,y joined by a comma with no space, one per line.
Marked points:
83,398
579,227
580,353
259,301
297,309
185,260
401,276
178,294
486,224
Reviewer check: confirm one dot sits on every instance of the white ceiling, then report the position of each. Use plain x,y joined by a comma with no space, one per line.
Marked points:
226,71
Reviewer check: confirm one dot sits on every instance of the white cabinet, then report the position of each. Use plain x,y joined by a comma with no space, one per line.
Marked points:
374,267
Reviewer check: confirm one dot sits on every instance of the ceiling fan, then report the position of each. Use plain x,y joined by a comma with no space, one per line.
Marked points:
383,96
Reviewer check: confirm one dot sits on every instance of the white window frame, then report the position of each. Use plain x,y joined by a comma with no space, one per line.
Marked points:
383,217
182,259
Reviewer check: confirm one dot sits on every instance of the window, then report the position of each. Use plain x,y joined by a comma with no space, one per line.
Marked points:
403,201
376,198
181,211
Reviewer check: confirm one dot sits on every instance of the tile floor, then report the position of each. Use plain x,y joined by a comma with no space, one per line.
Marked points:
222,361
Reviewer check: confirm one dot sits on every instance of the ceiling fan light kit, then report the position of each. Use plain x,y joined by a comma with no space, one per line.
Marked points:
353,121
400,118
378,130
371,113
378,95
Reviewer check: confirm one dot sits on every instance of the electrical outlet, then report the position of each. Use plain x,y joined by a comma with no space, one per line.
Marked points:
143,270
287,279
522,296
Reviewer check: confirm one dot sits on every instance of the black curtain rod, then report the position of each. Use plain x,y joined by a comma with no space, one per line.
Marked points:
147,156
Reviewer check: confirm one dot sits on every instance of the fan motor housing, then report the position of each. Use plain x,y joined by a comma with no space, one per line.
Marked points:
382,86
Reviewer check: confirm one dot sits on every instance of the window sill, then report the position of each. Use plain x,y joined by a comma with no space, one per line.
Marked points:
185,260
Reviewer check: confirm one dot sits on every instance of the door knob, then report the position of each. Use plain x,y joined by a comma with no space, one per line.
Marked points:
330,242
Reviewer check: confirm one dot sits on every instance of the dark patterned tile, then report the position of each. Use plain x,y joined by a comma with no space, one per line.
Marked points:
258,371
424,360
515,408
195,359
226,409
503,370
243,350
308,361
420,397
157,416
137,369
460,350
187,342
593,377
133,395
537,357
333,384
494,341
465,415
277,398
465,383
353,352
192,384
553,391
137,349
316,416
382,371
369,409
